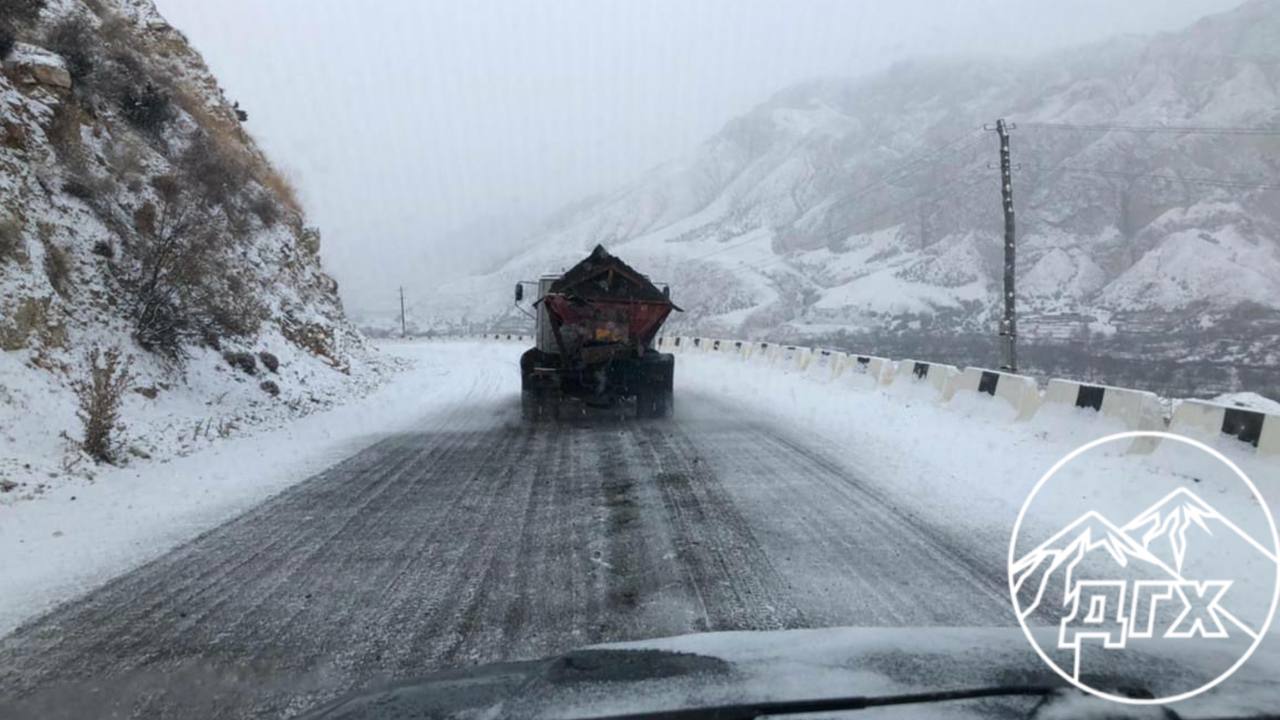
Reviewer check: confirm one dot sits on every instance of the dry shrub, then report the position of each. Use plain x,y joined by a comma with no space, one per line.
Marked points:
74,38
99,398
7,40
265,207
15,135
128,79
21,11
181,286
216,169
106,65
15,14
12,247
64,131
230,313
169,254
222,129
96,191
225,134
57,266
279,185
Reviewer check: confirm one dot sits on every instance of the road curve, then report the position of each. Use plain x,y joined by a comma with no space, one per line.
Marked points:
479,538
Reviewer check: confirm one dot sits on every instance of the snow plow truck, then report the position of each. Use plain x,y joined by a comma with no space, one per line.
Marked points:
594,331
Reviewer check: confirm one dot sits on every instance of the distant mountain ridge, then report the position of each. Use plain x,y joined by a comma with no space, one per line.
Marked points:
864,212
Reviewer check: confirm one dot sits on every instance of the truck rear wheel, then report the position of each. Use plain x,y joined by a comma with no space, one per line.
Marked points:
539,405
653,403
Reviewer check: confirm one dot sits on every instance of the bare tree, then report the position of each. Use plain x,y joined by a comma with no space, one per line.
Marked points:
166,230
184,287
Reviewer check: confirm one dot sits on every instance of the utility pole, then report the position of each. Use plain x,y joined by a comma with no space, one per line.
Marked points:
1009,322
403,332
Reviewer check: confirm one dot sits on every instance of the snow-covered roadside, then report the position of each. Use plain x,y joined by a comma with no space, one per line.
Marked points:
169,411
76,536
968,466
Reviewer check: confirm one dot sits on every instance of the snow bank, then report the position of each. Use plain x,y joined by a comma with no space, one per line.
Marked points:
968,466
78,535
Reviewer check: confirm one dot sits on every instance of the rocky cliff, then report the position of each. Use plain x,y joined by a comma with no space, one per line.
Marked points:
138,217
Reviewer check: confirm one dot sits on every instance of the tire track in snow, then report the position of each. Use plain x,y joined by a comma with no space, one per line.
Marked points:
477,538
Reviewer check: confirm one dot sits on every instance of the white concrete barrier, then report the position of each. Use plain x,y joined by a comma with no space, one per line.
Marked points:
791,358
762,352
1207,420
826,364
740,349
1019,391
867,371
722,347
940,376
727,348
1137,409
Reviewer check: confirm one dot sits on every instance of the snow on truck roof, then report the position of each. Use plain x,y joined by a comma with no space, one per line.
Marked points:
601,274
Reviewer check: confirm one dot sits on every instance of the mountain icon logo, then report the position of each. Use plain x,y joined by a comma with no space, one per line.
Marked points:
1113,592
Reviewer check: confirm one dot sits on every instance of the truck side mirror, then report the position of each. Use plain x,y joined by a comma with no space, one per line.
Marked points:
519,292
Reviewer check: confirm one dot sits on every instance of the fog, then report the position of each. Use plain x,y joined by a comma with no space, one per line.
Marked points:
402,122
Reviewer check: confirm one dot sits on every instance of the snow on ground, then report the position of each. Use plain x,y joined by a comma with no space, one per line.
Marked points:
969,467
1250,400
76,535
965,466
167,412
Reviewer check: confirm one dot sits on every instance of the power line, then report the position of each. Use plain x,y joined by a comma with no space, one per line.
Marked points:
1154,129
1215,182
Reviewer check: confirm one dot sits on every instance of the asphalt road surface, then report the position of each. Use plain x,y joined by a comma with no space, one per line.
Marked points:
479,538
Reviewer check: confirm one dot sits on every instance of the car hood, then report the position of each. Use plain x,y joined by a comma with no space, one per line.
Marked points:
730,668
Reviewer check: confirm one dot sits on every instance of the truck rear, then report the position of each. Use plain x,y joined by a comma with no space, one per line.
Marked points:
594,341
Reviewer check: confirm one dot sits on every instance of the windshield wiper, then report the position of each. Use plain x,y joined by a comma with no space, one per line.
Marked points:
748,711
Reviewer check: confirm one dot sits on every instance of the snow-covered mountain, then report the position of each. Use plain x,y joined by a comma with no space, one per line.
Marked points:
137,216
866,212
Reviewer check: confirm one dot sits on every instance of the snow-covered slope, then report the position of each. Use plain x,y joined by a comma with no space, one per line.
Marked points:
869,206
137,215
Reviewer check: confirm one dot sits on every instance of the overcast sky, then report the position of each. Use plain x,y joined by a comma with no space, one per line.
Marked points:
399,120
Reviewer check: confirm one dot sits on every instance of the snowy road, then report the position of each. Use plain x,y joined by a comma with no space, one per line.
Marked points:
477,538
